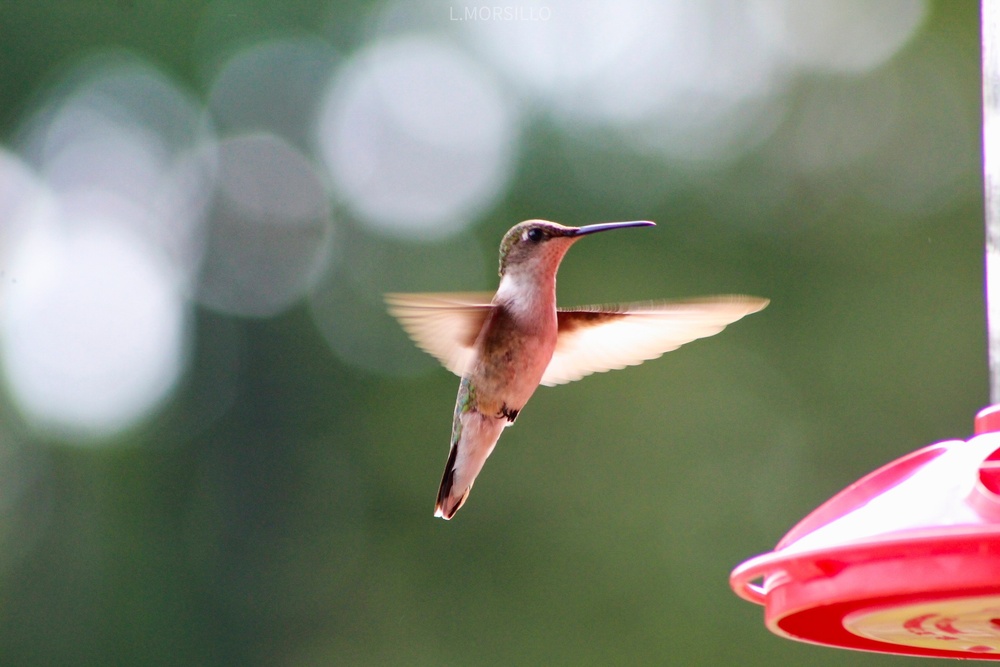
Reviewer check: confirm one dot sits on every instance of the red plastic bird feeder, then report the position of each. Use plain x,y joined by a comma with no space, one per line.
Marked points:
907,559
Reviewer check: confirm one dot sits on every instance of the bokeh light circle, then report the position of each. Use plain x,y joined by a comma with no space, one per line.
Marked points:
847,37
116,129
419,139
269,230
676,78
272,86
92,333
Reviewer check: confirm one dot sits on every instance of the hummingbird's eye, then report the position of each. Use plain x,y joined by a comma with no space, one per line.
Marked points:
534,235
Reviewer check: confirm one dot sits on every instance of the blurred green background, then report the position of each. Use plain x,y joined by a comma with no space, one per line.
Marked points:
217,449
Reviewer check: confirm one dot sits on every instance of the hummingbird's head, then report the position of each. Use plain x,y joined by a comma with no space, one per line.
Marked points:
534,242
539,245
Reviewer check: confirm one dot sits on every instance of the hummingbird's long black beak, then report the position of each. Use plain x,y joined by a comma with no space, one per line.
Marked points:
605,226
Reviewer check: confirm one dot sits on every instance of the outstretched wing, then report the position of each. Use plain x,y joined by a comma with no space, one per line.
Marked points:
445,324
595,339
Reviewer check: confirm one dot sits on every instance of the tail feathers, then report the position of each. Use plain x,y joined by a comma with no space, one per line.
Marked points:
477,436
446,504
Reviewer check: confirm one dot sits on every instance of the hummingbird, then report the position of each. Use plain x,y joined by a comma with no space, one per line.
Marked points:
505,344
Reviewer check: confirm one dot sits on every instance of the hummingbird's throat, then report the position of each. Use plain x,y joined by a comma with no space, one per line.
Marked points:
524,293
